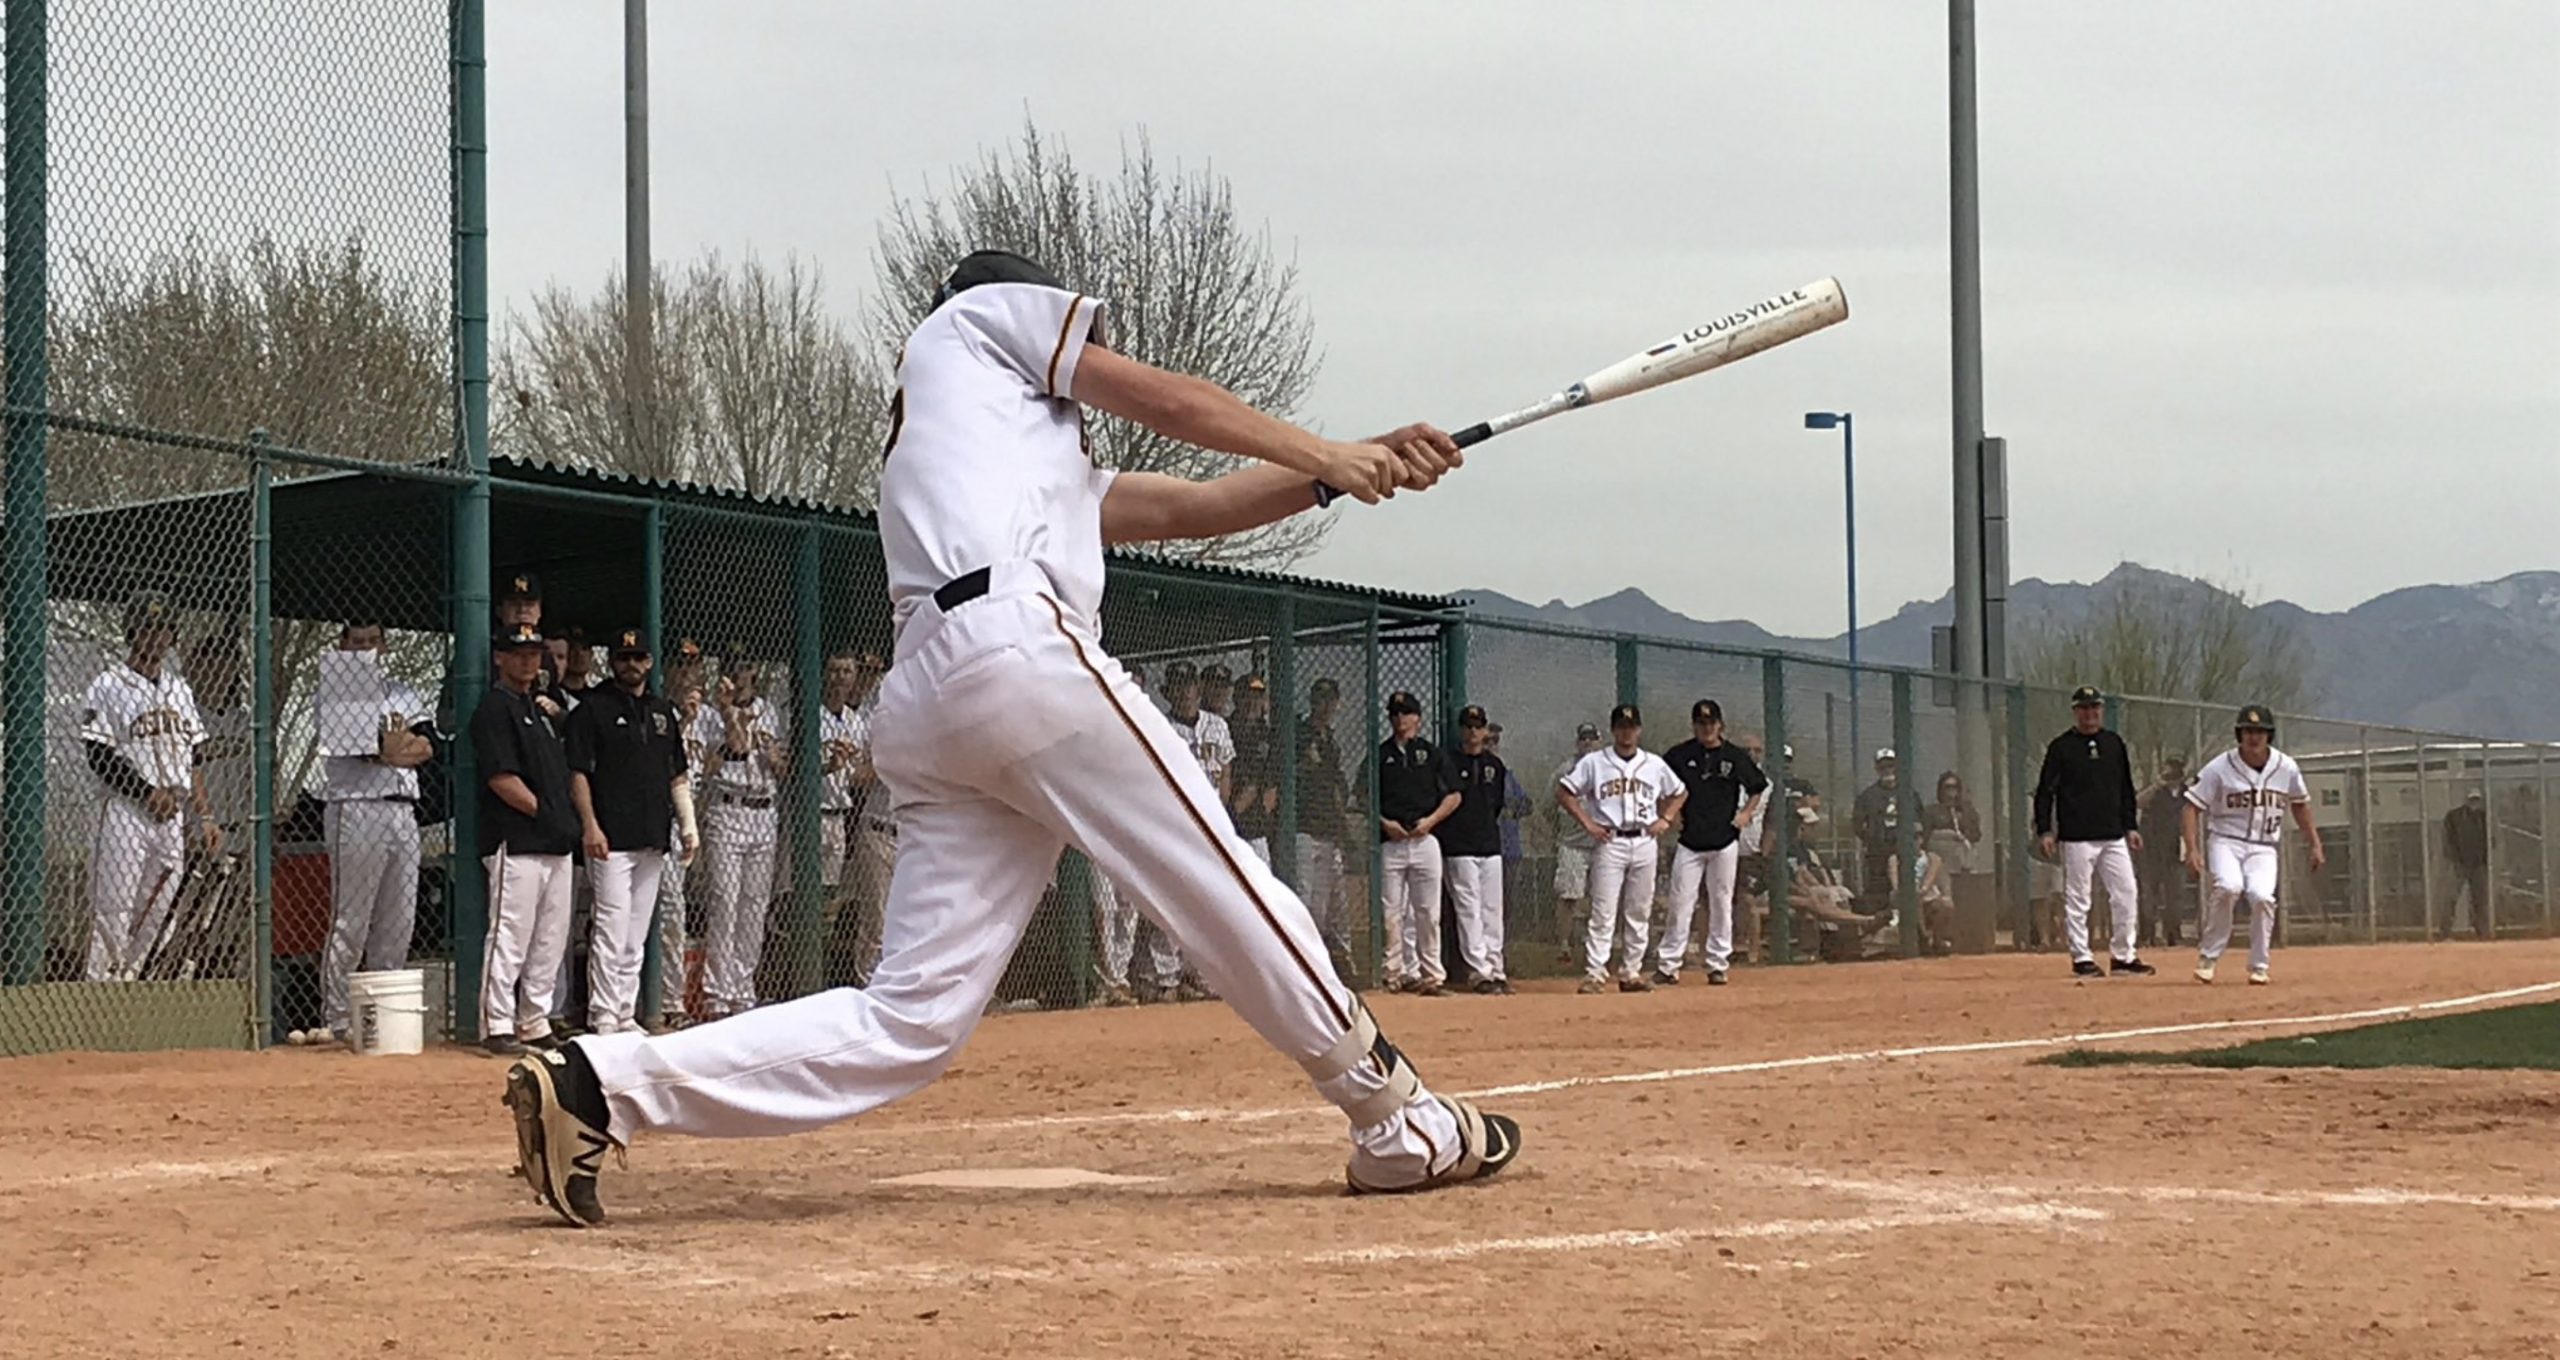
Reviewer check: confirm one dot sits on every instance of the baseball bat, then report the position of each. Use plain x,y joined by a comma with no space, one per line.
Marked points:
1765,324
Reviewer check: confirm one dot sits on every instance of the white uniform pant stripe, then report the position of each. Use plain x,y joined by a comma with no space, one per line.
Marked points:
1410,893
1004,736
2235,870
1475,887
623,887
1692,870
2112,861
528,936
373,893
1622,874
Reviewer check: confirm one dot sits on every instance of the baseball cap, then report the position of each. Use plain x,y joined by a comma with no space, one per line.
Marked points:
2472,797
1402,701
147,611
1253,681
514,639
2255,716
630,641
2087,696
1885,756
1586,732
1625,715
1323,686
1472,716
1180,673
1216,673
1706,711
523,585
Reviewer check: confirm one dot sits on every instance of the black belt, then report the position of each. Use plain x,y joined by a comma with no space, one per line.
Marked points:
1629,833
740,799
961,589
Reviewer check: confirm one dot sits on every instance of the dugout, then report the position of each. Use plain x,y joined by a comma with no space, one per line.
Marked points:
272,567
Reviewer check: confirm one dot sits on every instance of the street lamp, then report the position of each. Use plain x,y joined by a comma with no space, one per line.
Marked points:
1824,420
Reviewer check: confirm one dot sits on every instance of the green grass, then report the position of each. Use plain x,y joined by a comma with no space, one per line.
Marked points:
2506,1038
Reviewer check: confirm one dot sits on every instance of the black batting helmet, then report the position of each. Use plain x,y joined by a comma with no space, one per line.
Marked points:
993,266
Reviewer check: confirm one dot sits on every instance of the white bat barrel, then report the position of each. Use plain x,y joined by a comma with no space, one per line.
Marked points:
1736,335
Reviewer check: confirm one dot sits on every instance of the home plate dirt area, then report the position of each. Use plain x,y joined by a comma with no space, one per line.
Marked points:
1846,1160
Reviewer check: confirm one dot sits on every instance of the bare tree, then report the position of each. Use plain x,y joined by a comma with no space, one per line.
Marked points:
318,344
754,385
1188,284
2168,638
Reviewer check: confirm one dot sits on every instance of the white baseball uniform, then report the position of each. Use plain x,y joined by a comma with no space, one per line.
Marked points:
672,872
1625,795
135,863
1006,733
2244,812
369,814
740,828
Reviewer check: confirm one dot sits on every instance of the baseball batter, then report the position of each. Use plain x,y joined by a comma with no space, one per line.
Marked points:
2242,798
1622,796
1007,733
144,740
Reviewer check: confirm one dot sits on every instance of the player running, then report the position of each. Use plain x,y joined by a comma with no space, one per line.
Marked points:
1008,733
2241,799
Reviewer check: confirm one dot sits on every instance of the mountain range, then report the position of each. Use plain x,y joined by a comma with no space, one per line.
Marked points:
2480,659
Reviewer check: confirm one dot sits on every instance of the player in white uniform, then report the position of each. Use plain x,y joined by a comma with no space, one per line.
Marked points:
2241,799
369,809
1007,733
144,739
745,759
1623,796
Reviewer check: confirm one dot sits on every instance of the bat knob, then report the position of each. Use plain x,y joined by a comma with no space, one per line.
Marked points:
1326,495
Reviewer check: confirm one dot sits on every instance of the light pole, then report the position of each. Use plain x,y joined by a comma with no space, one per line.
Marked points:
1823,420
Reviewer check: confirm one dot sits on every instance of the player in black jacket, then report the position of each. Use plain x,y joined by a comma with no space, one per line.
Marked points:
2085,801
1471,848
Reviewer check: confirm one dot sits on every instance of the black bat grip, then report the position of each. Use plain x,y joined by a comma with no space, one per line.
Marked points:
1473,434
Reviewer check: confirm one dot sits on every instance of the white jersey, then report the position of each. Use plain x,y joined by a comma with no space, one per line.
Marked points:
987,460
1624,793
1212,743
751,775
350,777
2243,804
153,724
851,726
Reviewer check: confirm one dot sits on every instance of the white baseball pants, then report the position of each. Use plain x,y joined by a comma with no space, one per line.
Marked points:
529,911
1410,892
1320,870
671,938
623,888
1475,884
738,842
135,867
1007,733
373,894
1691,870
2113,861
1622,874
2233,870
1119,912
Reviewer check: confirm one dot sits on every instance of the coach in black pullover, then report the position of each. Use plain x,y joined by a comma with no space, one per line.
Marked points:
2085,799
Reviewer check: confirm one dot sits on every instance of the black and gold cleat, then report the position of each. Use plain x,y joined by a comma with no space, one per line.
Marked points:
560,1123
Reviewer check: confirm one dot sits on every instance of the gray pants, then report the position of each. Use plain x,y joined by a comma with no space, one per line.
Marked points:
373,894
671,938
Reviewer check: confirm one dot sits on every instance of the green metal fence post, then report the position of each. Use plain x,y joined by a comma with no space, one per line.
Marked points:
1630,670
1377,851
2022,827
2361,827
262,748
470,565
2542,826
23,500
653,619
1283,690
1453,679
1906,833
1781,822
2489,843
808,768
2426,852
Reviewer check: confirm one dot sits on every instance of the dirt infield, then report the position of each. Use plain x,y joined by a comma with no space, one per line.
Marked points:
1931,1204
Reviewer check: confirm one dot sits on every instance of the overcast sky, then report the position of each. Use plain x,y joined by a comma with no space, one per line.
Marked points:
2271,290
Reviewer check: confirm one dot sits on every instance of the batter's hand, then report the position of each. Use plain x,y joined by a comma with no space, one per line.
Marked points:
161,803
1424,454
1369,472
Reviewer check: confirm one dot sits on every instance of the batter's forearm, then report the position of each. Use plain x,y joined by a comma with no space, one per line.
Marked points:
1195,411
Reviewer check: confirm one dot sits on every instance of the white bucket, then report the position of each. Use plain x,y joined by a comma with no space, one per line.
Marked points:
387,1012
